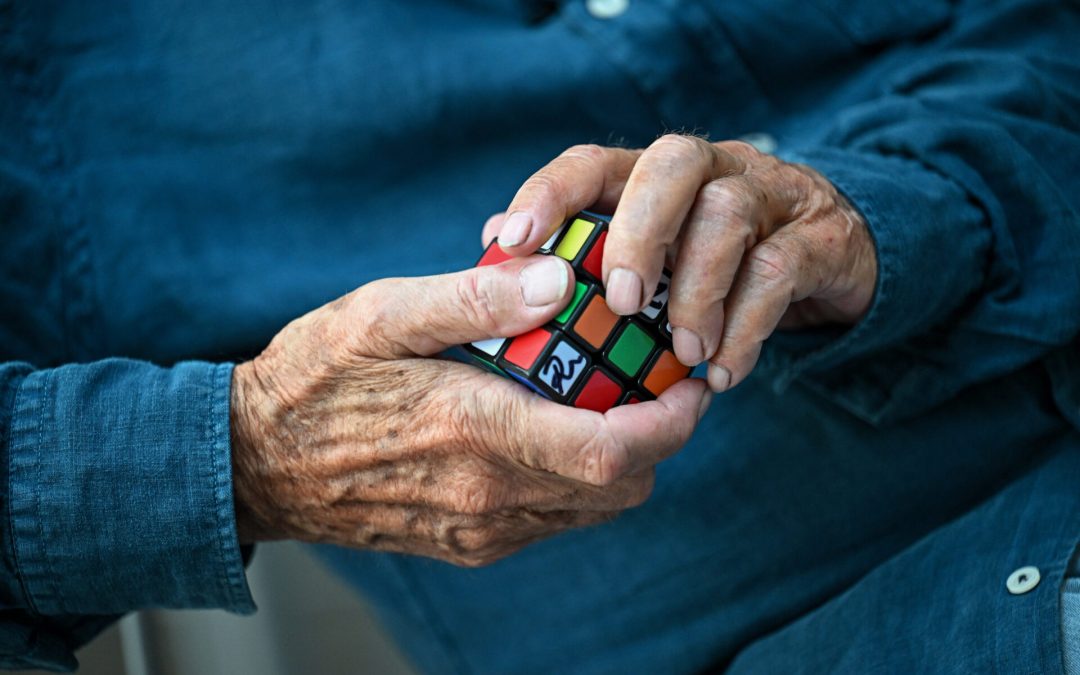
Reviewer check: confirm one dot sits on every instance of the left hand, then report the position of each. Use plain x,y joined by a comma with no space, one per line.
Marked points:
757,243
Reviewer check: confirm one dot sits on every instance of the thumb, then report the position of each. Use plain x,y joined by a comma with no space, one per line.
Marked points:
422,316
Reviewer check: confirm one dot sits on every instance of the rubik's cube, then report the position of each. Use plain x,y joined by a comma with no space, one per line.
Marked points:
588,356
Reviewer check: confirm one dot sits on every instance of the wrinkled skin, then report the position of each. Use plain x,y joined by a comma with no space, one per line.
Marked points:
344,432
758,243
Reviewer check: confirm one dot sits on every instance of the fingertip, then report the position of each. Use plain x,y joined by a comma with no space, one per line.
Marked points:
491,228
515,230
520,239
652,430
685,396
545,280
719,378
689,347
706,401
624,291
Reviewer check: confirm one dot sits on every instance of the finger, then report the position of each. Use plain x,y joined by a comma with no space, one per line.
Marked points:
658,195
491,228
583,176
583,445
654,430
721,226
789,266
425,315
472,484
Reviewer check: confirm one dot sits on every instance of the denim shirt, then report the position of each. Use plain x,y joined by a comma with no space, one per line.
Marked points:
178,181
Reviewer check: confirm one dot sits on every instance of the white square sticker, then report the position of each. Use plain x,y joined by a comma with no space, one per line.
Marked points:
490,347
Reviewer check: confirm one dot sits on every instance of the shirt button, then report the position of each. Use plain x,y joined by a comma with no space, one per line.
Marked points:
606,9
1023,580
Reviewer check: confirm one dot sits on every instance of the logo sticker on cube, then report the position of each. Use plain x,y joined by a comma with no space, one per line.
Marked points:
563,368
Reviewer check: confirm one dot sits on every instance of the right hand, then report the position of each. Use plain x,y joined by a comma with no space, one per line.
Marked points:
344,433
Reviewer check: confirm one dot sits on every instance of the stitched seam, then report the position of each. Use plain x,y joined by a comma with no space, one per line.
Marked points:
10,517
210,479
223,485
43,425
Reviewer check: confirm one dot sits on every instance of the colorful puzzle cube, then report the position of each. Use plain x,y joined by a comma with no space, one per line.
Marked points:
588,356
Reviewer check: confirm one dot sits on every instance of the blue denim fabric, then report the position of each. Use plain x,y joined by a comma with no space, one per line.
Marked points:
178,181
1070,617
1070,624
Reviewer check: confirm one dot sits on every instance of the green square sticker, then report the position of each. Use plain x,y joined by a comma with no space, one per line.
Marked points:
631,349
580,290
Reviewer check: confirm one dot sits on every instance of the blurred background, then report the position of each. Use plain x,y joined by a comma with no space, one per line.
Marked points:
308,622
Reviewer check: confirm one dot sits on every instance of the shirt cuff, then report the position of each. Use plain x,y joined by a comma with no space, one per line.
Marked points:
120,489
932,249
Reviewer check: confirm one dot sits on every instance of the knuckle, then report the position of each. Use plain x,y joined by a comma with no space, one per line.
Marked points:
679,148
476,498
476,541
730,200
547,184
771,264
744,150
695,305
604,460
380,314
589,152
477,299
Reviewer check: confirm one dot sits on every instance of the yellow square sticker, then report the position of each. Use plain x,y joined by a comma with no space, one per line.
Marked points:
574,239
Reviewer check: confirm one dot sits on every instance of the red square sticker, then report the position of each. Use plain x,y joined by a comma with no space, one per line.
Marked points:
594,262
524,349
493,255
600,393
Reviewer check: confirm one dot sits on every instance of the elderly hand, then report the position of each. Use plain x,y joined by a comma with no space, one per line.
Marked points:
757,242
342,433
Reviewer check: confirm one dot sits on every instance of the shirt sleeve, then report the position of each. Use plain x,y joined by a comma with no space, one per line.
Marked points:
118,496
967,171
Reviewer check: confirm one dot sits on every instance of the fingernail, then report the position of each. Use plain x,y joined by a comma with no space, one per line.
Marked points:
705,401
719,378
688,346
516,229
543,282
624,291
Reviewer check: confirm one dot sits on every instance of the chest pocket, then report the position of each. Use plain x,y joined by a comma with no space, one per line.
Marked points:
869,24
